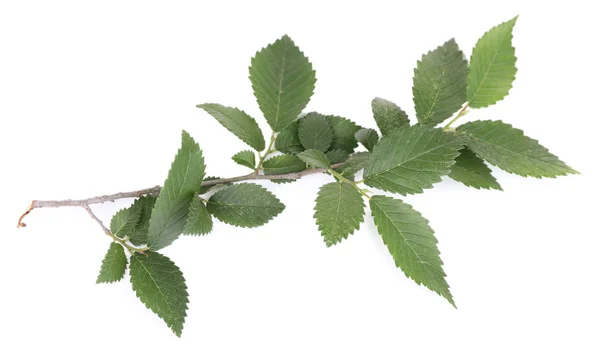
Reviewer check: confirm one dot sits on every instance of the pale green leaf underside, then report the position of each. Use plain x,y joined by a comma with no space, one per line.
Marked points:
170,211
283,81
244,205
343,134
411,159
206,188
509,149
368,137
388,116
283,164
245,158
440,83
239,123
160,285
315,158
410,240
113,265
314,132
288,141
472,171
337,156
124,221
492,68
354,164
199,221
139,235
339,210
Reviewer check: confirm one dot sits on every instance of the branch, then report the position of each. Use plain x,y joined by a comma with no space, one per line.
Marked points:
156,189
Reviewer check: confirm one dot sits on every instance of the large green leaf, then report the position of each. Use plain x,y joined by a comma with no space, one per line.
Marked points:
388,116
245,158
411,242
314,132
440,83
368,137
199,221
337,156
288,141
123,222
411,159
170,211
113,265
160,285
492,69
472,171
238,122
315,158
283,164
283,81
244,205
343,134
139,235
339,211
508,148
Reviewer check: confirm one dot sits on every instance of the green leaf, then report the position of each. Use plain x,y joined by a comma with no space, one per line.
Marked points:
472,171
411,242
343,134
368,137
288,141
337,156
113,265
508,148
283,164
238,122
354,164
170,211
440,83
206,188
199,221
283,81
245,205
388,116
139,235
160,285
339,211
124,221
315,158
314,132
245,158
492,69
411,159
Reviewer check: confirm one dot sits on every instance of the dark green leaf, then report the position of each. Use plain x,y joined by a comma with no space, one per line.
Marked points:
440,83
123,222
245,158
170,211
283,164
113,265
139,235
314,132
388,116
339,211
283,81
288,141
315,158
160,285
355,163
244,205
472,171
343,134
238,122
368,137
337,156
199,221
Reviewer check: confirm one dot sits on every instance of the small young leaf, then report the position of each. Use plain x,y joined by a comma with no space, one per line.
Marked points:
472,171
283,164
339,211
492,69
337,156
314,132
440,83
343,134
124,221
315,158
368,137
508,148
139,235
288,141
170,211
411,159
388,116
160,285
355,163
238,122
411,242
113,265
283,81
245,158
244,205
199,221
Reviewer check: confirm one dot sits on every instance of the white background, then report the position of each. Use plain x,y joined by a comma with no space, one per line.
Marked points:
93,98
